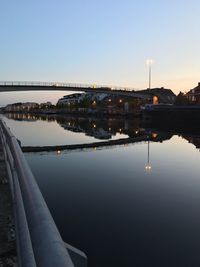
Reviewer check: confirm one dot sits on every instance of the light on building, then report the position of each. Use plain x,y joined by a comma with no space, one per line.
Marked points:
155,100
154,135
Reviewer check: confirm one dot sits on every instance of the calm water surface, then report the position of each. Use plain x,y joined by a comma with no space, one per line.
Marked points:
107,204
58,130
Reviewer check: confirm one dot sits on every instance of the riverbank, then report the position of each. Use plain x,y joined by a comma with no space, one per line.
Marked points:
7,233
171,114
88,113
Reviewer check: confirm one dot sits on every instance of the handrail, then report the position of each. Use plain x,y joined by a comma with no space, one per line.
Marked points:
40,244
65,84
23,241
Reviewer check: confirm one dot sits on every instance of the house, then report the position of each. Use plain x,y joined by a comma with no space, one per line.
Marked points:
45,105
160,95
194,94
76,98
21,107
70,99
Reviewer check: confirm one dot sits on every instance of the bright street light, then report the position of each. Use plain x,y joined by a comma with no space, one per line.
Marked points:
149,64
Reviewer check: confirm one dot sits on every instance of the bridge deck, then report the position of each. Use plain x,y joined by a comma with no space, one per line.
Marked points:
49,86
7,235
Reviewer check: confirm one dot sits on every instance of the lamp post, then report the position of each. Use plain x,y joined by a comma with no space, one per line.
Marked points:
149,64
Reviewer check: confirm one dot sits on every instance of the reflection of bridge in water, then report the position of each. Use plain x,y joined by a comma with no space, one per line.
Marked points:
101,129
145,138
154,137
104,129
94,145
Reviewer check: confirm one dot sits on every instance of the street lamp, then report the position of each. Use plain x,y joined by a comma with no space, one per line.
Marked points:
149,64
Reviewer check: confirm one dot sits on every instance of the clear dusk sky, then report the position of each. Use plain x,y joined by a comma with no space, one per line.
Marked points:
100,42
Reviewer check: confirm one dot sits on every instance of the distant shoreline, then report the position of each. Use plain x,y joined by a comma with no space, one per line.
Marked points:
92,113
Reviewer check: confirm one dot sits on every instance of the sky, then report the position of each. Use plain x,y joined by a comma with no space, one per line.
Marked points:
104,42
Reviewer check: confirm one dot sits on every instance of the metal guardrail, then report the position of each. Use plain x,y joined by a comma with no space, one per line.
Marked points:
64,84
39,243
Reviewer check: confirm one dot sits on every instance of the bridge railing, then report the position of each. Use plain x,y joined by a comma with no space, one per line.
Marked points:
38,240
63,84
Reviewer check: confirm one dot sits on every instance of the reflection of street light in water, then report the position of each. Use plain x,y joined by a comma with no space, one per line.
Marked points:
148,166
58,152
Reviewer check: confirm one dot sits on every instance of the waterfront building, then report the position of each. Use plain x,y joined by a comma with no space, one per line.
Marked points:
21,106
46,105
160,95
70,99
194,94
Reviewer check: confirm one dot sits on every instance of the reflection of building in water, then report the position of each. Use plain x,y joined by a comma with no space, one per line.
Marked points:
29,117
195,140
100,128
90,129
21,116
97,127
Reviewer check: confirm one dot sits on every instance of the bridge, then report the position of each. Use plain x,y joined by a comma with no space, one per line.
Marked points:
12,86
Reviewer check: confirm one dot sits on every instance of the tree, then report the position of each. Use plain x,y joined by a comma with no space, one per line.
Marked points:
181,99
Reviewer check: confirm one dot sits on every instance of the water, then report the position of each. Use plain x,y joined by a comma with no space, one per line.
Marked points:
107,204
37,130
